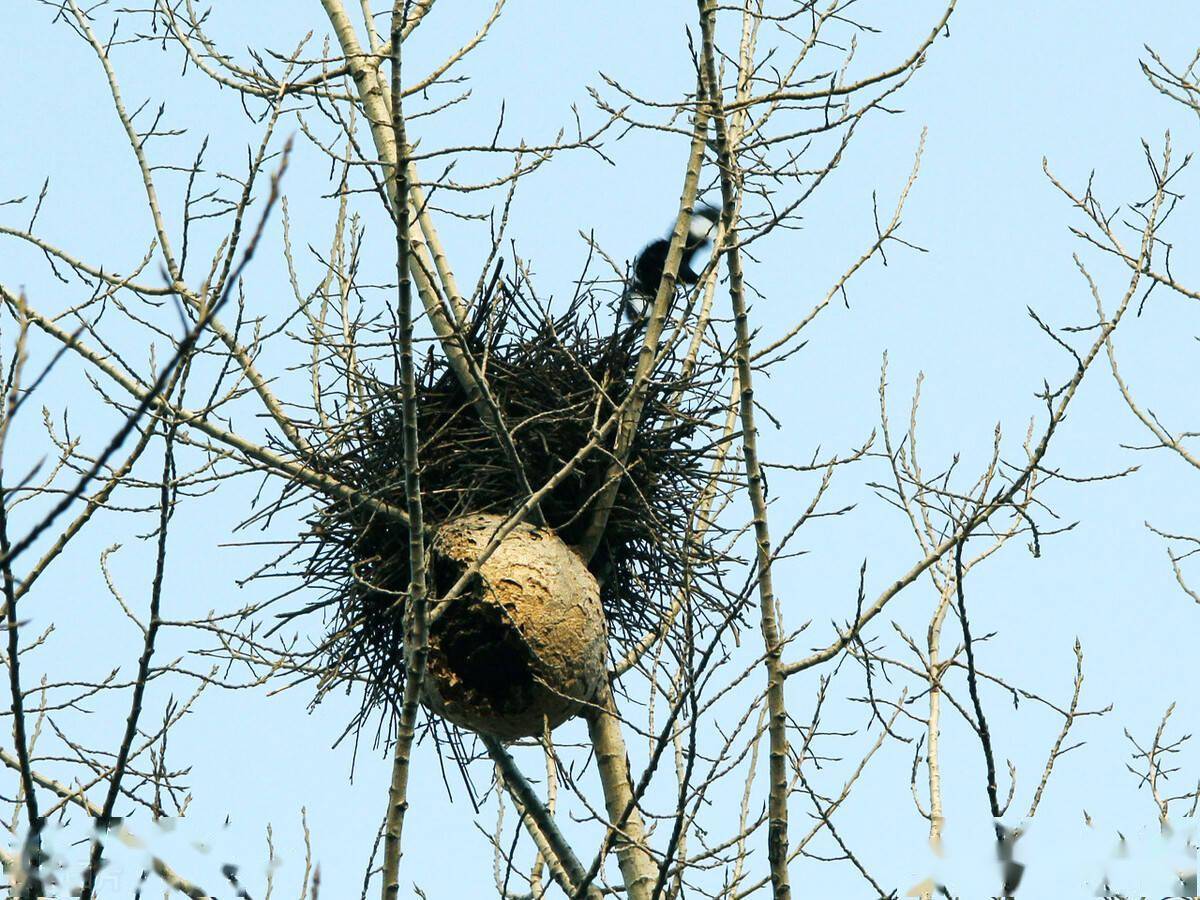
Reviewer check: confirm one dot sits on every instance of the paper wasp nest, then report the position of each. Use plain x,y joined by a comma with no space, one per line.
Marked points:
524,643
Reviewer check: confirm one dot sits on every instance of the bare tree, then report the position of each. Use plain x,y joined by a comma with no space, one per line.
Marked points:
491,511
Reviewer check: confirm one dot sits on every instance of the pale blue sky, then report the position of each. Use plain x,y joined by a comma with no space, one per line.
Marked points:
1014,82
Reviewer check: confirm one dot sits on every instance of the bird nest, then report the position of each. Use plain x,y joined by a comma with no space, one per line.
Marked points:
553,379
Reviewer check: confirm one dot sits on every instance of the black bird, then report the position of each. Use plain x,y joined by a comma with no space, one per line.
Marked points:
649,265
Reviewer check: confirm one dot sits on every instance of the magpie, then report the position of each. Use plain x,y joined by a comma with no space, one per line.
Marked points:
642,286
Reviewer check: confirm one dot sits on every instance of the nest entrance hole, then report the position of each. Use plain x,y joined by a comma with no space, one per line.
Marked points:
485,662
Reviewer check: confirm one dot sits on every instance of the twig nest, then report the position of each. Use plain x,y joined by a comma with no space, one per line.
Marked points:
524,643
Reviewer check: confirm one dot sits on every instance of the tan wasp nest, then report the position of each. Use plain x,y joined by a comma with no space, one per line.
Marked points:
525,642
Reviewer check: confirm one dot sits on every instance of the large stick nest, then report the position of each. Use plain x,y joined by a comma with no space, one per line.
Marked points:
553,379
